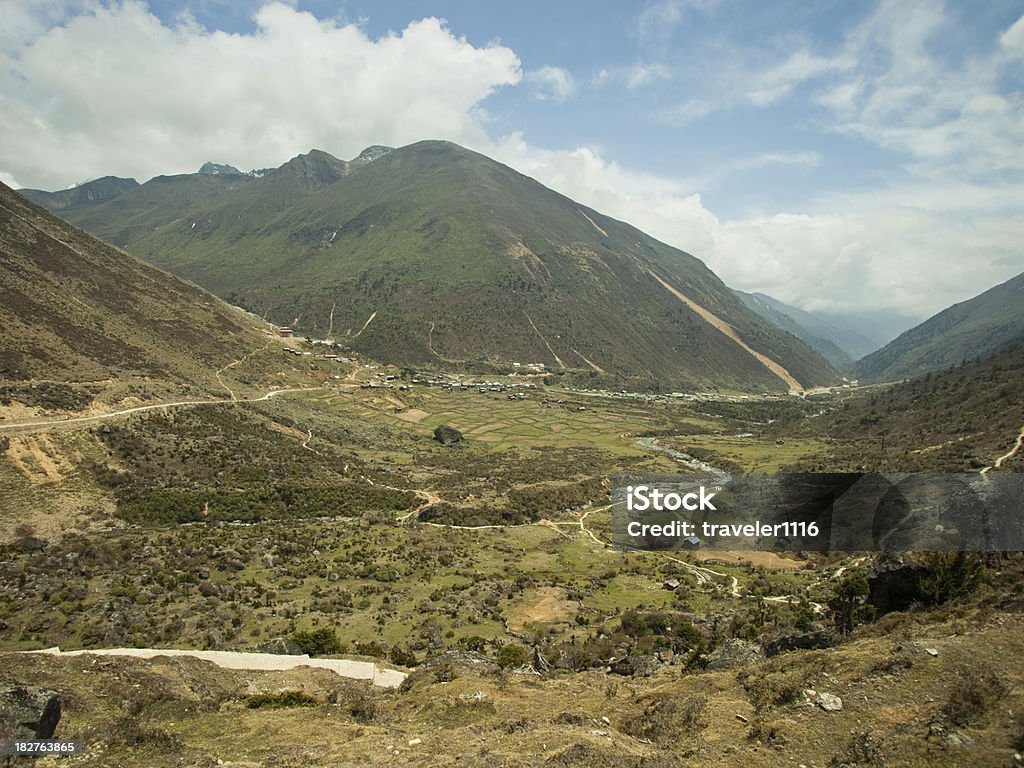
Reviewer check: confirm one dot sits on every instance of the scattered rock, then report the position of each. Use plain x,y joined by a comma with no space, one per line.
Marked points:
28,712
447,435
932,651
830,702
281,646
415,742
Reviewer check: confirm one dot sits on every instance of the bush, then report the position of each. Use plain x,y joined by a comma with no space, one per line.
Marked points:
511,656
280,700
949,575
318,641
972,695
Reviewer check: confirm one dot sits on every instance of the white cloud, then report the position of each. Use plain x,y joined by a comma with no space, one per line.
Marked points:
1013,37
9,180
643,74
551,84
780,80
115,91
881,252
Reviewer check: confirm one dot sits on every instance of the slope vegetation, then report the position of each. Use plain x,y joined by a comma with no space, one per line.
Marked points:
78,311
970,330
456,258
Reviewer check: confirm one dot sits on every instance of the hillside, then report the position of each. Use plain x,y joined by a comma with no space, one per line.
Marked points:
90,193
435,254
85,318
957,420
970,330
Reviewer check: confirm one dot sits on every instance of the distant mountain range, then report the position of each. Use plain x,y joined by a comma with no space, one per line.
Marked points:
840,344
971,330
95,191
75,309
432,253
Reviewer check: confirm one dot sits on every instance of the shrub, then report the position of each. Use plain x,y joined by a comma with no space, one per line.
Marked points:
973,694
318,641
280,700
511,656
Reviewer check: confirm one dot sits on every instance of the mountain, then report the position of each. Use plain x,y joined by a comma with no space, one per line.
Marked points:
874,328
90,193
837,345
432,253
970,330
77,310
220,169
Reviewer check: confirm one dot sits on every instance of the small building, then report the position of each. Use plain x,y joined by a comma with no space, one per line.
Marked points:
690,542
285,331
671,585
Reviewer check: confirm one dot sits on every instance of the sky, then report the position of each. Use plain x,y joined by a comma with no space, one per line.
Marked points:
837,156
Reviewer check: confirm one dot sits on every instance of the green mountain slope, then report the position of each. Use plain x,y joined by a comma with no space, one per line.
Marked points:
78,311
969,330
90,193
432,253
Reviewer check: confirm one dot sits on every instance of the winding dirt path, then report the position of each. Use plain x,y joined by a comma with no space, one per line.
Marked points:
1008,455
45,425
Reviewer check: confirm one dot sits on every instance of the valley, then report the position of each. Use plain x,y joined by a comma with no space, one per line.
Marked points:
427,491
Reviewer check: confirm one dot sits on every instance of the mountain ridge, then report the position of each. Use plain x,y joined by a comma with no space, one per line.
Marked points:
457,257
969,330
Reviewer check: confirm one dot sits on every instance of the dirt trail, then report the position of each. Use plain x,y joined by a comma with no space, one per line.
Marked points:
235,363
795,387
1008,455
42,426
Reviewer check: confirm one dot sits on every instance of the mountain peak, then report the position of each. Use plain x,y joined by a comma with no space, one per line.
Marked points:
219,169
371,153
315,169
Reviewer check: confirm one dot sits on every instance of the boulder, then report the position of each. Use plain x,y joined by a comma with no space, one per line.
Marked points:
802,641
894,583
28,712
733,652
446,435
633,666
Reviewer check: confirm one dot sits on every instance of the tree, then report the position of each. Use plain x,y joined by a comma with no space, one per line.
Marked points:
849,596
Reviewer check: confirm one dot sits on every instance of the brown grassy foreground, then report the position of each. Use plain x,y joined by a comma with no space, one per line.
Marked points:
902,706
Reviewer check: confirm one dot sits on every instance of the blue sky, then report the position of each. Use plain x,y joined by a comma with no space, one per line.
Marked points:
836,155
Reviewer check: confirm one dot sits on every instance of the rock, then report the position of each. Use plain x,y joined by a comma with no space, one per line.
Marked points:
797,641
28,712
280,645
932,651
894,583
830,702
206,589
204,573
733,652
447,435
632,666
415,742
268,560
